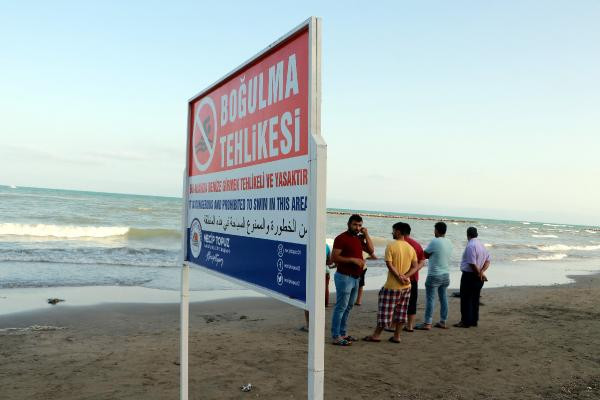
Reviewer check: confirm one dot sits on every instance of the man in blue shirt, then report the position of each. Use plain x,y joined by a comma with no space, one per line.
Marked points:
438,252
475,261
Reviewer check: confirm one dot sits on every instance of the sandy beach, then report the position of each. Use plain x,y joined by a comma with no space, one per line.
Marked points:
532,343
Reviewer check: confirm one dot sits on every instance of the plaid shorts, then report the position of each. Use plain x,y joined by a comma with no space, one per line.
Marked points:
393,306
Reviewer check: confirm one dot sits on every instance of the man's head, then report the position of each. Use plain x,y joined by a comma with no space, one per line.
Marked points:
471,232
355,224
439,229
406,229
400,230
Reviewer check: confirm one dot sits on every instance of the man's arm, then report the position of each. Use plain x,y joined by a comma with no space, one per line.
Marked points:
429,250
414,267
400,278
486,265
471,259
336,257
367,242
474,268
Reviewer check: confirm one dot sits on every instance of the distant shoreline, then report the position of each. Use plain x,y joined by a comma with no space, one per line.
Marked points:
396,216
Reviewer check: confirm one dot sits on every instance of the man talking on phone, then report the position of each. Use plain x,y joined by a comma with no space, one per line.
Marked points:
347,254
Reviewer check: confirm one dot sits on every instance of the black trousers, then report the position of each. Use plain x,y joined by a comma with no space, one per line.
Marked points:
470,290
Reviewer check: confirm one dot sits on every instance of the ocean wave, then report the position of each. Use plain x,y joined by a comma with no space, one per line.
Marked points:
74,232
141,233
544,236
564,247
119,256
81,282
553,257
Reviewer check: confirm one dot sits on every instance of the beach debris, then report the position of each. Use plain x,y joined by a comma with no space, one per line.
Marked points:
54,301
29,329
246,388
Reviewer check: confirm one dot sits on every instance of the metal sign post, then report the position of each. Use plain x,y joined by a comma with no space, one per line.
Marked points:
255,184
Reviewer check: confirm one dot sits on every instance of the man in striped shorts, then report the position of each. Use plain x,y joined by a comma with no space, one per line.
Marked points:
401,261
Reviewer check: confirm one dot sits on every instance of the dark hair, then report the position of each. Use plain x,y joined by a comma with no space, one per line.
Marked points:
354,218
472,232
398,227
407,229
402,227
441,227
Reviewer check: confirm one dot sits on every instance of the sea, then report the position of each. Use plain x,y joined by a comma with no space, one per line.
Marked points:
101,247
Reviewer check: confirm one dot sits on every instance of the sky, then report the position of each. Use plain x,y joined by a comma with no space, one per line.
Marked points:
467,108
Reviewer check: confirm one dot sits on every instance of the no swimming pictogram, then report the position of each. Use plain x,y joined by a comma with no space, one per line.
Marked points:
204,133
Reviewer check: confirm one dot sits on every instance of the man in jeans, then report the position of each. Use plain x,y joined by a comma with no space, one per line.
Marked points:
438,277
475,261
347,254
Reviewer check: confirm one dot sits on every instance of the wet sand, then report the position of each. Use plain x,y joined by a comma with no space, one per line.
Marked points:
531,343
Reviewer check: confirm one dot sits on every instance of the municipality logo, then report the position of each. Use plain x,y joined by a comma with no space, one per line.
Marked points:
196,238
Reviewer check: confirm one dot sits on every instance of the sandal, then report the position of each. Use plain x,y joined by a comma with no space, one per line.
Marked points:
441,325
405,329
342,342
423,327
370,339
351,338
392,340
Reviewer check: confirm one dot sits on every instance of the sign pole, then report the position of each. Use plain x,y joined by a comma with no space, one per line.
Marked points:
316,254
184,307
184,318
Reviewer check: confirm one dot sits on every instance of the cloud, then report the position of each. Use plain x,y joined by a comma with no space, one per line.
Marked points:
118,155
25,153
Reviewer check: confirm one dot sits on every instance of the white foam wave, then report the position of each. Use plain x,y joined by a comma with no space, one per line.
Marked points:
553,257
590,231
526,223
61,231
564,247
488,245
544,236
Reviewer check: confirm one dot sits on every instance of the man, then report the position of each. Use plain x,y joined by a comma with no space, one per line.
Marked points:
327,264
438,277
475,261
401,261
414,283
361,282
347,254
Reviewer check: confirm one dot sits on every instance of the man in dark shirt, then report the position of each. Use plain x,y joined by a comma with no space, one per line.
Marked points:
414,279
347,254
